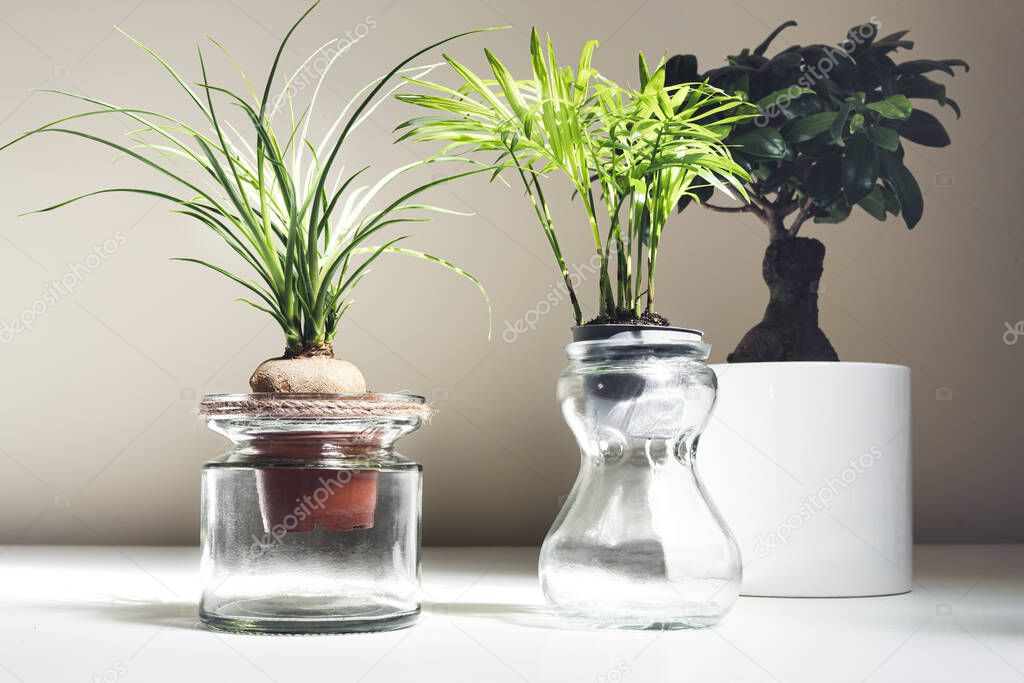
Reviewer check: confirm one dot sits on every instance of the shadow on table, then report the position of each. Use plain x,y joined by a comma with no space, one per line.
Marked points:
184,615
177,615
534,616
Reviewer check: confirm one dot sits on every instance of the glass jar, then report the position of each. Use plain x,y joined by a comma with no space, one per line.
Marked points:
638,543
311,522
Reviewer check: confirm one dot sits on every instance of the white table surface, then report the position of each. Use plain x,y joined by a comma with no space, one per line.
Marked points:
128,614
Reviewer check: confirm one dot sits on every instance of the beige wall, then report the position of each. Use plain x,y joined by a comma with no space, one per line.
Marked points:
99,436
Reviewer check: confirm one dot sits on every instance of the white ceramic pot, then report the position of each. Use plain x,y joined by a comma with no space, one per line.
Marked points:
810,465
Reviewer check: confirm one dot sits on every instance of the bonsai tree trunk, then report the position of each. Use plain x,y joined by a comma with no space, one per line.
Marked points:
792,268
789,331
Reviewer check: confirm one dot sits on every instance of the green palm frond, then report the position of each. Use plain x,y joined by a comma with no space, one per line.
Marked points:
629,155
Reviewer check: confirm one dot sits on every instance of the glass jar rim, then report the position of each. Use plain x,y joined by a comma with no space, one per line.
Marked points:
622,348
630,341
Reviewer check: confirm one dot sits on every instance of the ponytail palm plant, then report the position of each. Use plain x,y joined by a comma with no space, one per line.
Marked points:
630,155
284,203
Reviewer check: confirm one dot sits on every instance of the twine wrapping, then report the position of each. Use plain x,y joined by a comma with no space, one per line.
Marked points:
318,406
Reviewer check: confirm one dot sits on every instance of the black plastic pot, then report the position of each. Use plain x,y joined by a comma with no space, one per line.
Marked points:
653,332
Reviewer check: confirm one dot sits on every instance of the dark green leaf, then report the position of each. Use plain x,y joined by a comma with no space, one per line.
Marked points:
783,64
893,107
862,36
760,49
903,184
924,87
761,142
921,66
874,203
892,204
886,138
924,129
809,127
782,97
859,169
822,179
885,46
725,73
836,212
839,122
680,69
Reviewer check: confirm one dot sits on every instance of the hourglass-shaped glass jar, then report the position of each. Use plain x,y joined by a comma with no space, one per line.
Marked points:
311,522
638,543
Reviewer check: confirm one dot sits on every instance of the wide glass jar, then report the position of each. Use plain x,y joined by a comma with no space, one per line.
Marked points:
638,543
311,522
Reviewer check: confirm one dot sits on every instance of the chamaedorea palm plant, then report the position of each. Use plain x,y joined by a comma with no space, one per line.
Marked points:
630,155
284,203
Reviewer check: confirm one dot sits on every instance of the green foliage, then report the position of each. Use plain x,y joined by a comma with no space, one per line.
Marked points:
832,124
629,155
284,204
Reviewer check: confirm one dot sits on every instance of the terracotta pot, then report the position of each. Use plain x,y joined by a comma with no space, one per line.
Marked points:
294,498
298,499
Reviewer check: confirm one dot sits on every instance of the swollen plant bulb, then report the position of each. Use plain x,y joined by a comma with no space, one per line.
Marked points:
638,543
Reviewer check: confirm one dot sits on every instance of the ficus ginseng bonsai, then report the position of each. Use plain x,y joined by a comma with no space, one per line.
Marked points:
829,136
284,204
630,155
